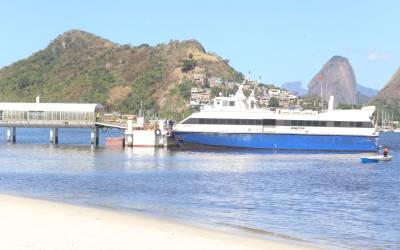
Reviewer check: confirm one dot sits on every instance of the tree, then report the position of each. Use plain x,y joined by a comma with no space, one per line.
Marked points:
188,65
206,83
273,102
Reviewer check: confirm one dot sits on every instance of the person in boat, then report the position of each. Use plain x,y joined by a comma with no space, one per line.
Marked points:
385,152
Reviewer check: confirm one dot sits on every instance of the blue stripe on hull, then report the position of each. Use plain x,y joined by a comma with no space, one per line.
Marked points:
281,141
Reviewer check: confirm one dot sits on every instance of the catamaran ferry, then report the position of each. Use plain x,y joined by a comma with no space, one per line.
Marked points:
236,121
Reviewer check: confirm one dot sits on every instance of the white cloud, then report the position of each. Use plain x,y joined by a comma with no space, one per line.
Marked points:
378,57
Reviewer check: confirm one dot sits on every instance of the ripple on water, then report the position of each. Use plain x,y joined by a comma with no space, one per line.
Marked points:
324,198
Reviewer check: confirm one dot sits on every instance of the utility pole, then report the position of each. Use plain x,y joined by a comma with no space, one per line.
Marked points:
321,78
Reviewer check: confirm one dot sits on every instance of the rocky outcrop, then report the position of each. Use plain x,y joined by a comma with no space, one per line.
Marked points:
388,99
391,91
335,78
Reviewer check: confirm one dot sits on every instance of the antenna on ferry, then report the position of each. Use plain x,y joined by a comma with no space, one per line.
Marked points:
248,76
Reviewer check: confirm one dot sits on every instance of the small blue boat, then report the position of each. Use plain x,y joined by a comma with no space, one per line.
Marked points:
375,159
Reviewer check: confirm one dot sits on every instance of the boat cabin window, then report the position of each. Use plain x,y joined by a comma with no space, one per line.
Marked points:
269,122
273,122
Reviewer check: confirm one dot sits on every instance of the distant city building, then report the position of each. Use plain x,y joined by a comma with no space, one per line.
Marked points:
199,97
261,93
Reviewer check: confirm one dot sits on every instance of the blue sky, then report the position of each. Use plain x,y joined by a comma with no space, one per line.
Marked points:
277,40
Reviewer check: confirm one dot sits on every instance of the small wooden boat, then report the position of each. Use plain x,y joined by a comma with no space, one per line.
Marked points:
377,158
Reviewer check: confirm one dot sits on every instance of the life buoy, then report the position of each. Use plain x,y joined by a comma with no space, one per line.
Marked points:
157,132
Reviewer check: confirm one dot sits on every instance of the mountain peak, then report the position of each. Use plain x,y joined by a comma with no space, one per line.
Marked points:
338,58
193,43
188,44
336,78
76,37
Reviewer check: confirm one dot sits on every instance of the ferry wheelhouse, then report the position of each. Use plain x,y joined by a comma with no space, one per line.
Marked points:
237,122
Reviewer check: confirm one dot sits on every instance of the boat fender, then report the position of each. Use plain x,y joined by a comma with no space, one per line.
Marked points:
157,132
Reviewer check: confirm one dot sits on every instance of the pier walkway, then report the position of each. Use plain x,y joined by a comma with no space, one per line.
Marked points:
52,116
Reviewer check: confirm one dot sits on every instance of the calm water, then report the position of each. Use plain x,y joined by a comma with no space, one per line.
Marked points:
330,199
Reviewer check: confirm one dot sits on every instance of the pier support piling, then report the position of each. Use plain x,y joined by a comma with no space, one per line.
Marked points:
97,135
14,134
56,136
92,136
8,135
51,135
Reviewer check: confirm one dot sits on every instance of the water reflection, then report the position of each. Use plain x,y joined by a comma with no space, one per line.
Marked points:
328,198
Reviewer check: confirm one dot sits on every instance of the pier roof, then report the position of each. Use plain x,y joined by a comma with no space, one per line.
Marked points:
63,107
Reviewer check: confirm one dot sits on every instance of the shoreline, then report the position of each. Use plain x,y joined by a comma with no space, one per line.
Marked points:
30,223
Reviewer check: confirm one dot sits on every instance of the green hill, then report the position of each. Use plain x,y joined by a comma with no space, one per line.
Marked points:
81,67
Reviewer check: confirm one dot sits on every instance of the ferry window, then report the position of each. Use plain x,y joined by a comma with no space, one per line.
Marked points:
315,123
283,123
231,103
251,122
293,123
191,121
322,124
337,124
244,122
225,103
330,123
221,121
230,121
300,123
308,123
202,121
237,122
258,122
367,125
359,124
351,124
269,122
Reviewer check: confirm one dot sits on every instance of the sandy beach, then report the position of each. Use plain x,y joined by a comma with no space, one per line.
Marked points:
36,224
